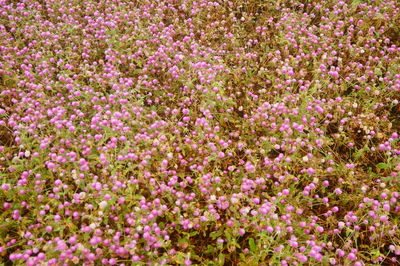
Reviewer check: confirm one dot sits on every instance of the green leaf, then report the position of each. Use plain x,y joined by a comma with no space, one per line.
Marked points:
228,236
221,258
376,253
216,234
378,71
381,166
193,233
210,249
252,245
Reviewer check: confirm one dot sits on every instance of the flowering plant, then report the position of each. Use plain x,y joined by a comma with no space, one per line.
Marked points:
199,132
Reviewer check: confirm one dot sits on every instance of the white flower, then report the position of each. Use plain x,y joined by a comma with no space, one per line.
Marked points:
93,226
103,204
80,247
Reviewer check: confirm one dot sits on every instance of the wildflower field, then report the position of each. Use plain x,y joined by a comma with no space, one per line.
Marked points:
199,132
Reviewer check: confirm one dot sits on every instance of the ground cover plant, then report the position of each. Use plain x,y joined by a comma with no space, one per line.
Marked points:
184,132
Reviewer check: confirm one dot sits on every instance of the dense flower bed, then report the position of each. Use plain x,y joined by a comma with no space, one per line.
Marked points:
199,132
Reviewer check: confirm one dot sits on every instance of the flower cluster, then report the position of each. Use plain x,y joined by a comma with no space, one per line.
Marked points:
199,132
